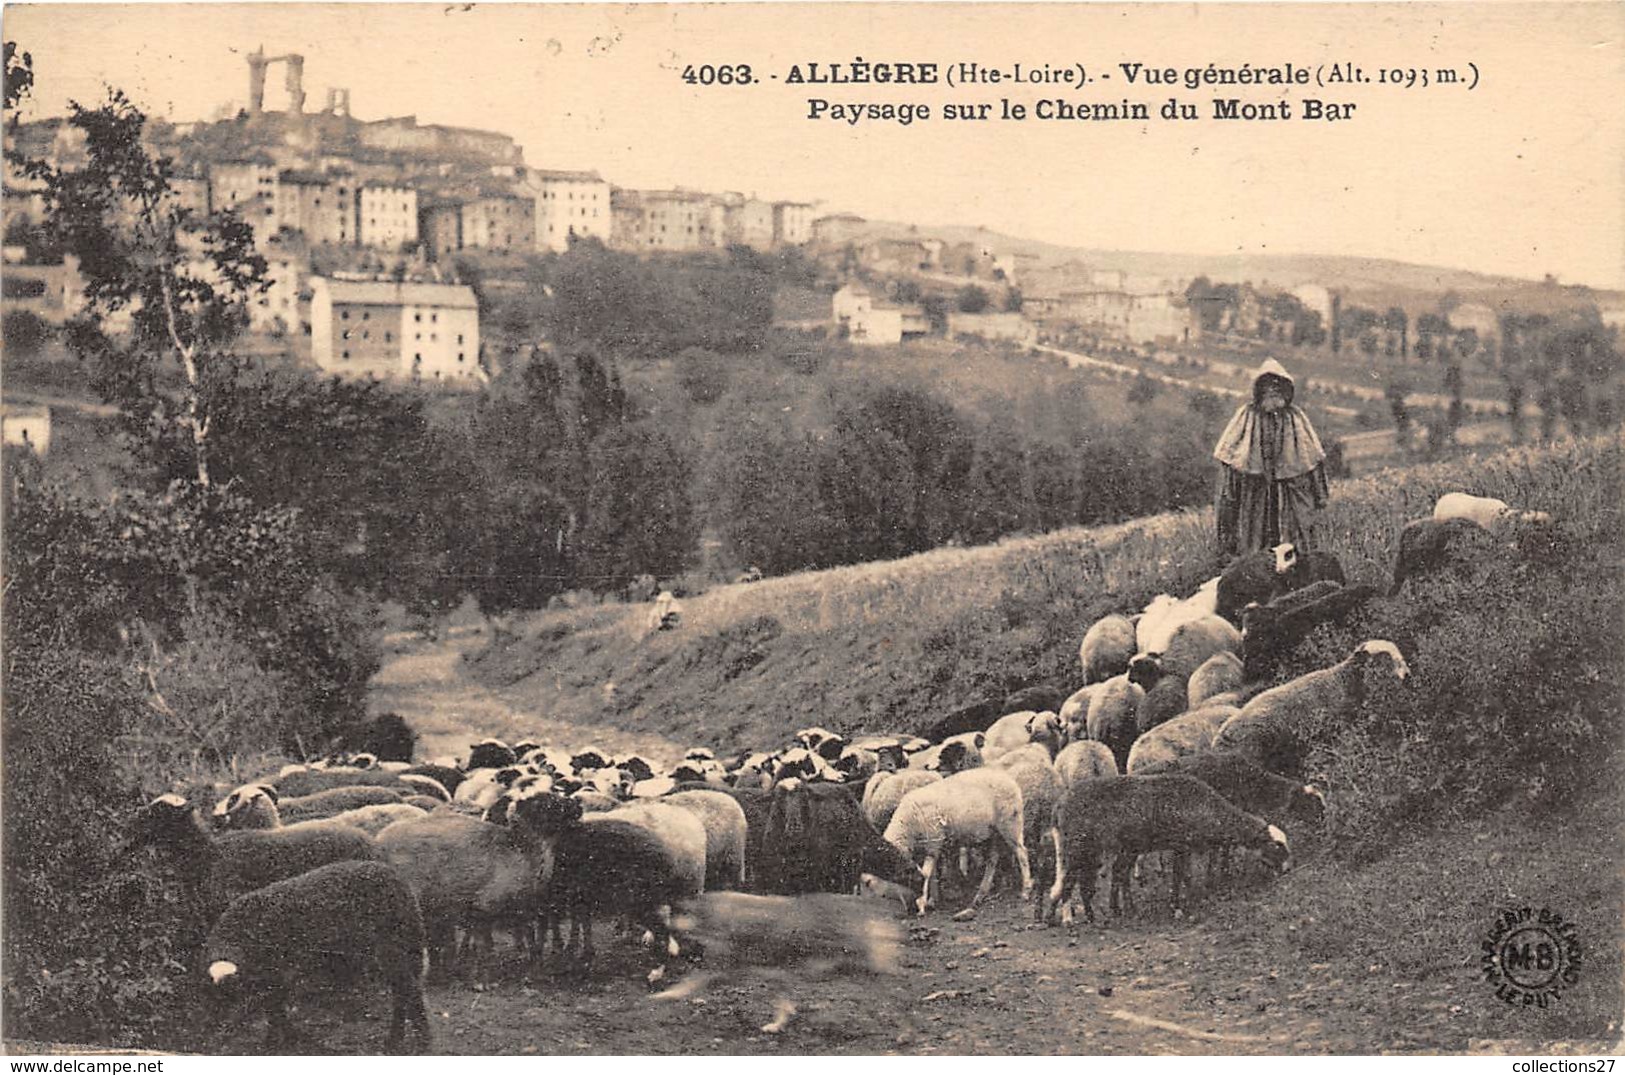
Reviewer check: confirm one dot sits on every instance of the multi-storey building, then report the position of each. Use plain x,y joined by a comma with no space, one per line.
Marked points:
396,330
570,205
386,215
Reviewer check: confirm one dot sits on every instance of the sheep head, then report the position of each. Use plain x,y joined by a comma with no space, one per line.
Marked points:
163,819
1145,669
1275,850
1286,557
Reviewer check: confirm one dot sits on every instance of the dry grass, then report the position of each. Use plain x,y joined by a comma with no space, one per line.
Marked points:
889,645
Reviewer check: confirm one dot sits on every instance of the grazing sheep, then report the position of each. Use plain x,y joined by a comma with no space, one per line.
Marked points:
324,804
1253,576
953,755
1248,787
1074,713
1426,545
882,794
968,809
297,782
609,865
967,719
470,873
1113,716
1194,641
594,802
1487,512
1016,730
1037,698
1119,820
1218,674
1085,760
1165,615
446,776
1188,733
1276,727
1162,703
1315,565
818,840
725,835
375,819
1106,648
267,942
681,829
858,764
425,785
785,940
1041,788
225,866
252,806
1271,631
491,754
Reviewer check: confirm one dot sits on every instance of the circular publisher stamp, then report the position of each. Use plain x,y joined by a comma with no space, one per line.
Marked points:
1531,956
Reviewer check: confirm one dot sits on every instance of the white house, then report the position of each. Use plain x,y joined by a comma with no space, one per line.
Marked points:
401,330
26,426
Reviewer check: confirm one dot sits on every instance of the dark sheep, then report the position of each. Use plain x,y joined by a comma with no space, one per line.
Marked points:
1119,820
818,840
1037,698
1248,787
224,867
975,717
1315,565
1427,545
490,754
270,940
1272,631
1252,577
1162,703
449,777
295,782
333,801
605,866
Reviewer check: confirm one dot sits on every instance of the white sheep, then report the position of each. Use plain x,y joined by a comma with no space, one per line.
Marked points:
1041,789
1164,615
954,754
251,806
1488,512
968,809
1015,730
1085,760
1275,728
1074,713
725,832
1189,733
885,790
1106,648
1219,674
1113,716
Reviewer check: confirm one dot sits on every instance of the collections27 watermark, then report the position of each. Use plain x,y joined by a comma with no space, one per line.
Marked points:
1531,956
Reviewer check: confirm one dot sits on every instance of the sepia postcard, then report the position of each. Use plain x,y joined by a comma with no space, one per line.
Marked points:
813,529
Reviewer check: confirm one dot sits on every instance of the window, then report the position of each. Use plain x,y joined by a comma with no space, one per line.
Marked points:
345,354
366,335
418,336
346,333
417,317
344,315
434,337
366,315
459,337
434,317
389,337
417,357
459,356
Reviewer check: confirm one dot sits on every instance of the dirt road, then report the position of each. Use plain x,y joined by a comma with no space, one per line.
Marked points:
1327,959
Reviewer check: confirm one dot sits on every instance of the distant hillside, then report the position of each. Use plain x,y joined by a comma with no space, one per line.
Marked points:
1368,281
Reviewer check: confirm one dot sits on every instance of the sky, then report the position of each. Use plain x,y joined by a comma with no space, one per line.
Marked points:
1521,175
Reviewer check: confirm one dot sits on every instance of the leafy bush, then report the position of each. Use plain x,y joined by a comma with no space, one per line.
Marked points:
23,334
95,945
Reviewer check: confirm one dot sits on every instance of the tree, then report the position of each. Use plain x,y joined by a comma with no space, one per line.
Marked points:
971,299
1142,391
19,74
1396,326
1396,391
1013,300
1453,388
183,282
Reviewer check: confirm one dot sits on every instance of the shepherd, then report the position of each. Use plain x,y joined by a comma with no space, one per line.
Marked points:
1272,477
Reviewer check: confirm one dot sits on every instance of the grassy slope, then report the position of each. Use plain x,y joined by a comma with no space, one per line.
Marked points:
891,646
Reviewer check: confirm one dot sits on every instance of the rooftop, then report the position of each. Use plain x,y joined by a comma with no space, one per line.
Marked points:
393,293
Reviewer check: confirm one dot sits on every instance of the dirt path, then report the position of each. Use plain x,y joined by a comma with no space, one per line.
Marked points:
1251,970
423,681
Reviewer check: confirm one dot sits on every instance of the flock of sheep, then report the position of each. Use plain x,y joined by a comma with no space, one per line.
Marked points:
1171,745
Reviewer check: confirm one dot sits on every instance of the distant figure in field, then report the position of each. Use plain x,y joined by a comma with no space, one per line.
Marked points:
1272,470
